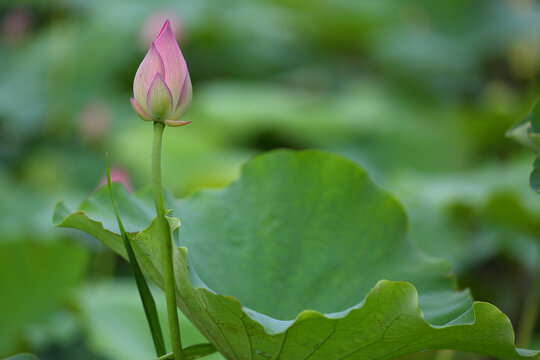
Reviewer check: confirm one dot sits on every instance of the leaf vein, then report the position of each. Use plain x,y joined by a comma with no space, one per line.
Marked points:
323,342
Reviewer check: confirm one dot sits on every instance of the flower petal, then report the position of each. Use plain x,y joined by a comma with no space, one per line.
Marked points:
173,60
176,123
159,99
184,99
139,110
150,66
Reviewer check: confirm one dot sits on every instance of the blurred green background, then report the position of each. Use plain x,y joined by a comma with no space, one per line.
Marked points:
418,92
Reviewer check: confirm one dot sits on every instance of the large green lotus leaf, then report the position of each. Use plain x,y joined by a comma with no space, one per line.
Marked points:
303,257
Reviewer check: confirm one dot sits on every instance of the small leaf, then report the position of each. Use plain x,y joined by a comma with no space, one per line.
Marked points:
198,351
534,179
527,130
193,352
535,118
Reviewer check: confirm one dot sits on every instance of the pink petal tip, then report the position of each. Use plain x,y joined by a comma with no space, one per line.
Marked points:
167,24
176,123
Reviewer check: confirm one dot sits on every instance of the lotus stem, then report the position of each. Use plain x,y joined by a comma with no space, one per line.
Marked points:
166,243
530,312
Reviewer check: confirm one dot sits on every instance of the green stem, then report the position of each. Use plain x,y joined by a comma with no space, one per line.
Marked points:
166,243
530,312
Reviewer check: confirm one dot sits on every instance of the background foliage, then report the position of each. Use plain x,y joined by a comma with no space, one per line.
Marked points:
418,92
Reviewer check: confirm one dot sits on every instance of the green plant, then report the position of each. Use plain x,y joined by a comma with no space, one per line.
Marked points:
303,257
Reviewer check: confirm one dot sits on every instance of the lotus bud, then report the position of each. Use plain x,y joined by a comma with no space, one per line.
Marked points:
162,87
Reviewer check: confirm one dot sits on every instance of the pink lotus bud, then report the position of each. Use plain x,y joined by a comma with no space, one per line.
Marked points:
162,87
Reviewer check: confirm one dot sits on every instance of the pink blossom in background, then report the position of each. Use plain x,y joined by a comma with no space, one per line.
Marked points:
120,175
15,25
162,86
93,121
